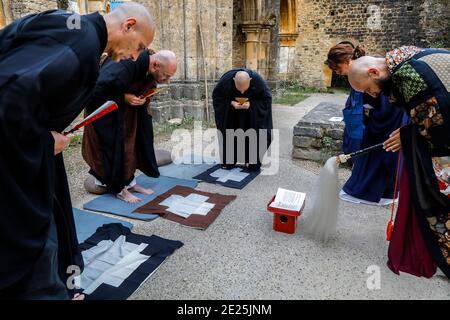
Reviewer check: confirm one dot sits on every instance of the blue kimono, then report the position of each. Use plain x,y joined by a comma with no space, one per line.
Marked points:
354,122
373,175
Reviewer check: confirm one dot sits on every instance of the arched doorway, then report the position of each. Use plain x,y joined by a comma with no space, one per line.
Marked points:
287,34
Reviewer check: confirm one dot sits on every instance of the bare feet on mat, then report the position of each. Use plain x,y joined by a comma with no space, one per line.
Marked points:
79,297
126,196
141,189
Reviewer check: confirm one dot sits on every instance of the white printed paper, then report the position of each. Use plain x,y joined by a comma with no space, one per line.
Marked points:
185,206
289,200
204,209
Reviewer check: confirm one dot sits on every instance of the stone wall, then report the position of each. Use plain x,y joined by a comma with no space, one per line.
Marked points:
178,30
182,101
378,25
435,23
238,36
20,8
317,138
178,24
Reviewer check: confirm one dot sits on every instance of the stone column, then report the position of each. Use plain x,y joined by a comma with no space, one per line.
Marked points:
2,15
257,47
251,45
6,14
264,52
83,6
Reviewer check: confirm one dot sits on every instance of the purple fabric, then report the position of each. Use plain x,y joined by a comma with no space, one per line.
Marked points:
407,250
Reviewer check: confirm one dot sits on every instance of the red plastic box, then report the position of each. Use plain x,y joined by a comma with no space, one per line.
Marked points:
284,220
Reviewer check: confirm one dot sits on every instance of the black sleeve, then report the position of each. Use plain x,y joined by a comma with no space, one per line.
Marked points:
262,100
27,161
26,175
114,79
221,102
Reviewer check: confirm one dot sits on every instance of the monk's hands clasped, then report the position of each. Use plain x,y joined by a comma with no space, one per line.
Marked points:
246,105
132,100
239,106
394,143
61,142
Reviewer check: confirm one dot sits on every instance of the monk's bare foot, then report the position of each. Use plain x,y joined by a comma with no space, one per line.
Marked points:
79,297
126,196
141,189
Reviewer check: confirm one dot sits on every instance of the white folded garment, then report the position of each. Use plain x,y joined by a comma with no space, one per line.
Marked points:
383,202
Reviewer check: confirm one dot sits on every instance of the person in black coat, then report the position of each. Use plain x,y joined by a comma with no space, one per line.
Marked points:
48,69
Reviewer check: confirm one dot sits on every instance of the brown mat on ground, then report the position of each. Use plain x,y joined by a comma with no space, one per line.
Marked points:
194,220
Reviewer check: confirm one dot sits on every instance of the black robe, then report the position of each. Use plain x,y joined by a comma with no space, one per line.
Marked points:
47,73
258,116
121,142
421,88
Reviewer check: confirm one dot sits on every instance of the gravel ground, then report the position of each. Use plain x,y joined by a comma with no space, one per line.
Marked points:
241,257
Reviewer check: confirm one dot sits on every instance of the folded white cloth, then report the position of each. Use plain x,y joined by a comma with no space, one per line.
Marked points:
131,185
383,202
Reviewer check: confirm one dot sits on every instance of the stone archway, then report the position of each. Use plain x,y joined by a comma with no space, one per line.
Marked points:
288,17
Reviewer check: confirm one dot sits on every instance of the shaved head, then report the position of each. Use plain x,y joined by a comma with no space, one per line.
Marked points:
369,75
131,29
163,65
242,81
145,22
167,58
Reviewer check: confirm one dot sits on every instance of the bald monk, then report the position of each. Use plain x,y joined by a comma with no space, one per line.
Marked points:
418,81
47,73
252,112
121,142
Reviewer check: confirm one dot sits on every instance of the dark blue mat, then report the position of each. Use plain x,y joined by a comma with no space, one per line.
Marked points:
206,176
187,167
87,223
106,275
108,203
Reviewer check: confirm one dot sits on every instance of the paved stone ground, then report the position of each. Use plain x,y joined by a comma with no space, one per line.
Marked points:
241,257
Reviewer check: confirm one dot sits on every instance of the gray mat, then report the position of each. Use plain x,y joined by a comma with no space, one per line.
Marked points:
87,223
108,203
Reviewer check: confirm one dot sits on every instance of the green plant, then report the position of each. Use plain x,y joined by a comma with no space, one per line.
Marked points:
163,130
327,142
438,45
76,140
294,93
327,148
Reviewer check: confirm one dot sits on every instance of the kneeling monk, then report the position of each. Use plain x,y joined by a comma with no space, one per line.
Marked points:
118,144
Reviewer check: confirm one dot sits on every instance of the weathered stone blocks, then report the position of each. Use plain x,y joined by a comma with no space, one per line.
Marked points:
317,138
